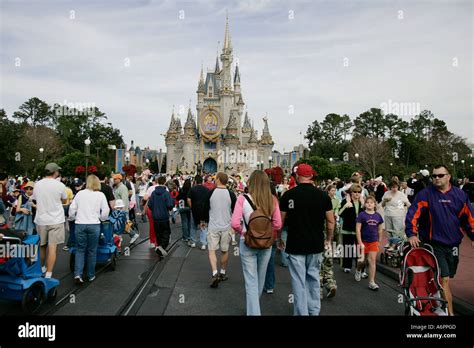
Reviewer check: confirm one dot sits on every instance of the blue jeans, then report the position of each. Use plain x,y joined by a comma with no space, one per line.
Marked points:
87,239
270,276
196,229
185,222
72,238
254,266
304,272
283,255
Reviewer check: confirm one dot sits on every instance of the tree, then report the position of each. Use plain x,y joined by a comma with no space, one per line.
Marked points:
10,133
370,124
328,138
69,162
373,153
35,112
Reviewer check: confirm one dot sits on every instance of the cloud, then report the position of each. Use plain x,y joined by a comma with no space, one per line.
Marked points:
285,63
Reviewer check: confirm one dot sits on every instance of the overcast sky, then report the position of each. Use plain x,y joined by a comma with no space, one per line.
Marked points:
299,60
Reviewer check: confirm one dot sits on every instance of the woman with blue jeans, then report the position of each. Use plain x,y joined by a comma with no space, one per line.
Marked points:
88,208
255,261
184,210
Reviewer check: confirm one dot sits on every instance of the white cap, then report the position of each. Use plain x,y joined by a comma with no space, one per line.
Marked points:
119,203
424,172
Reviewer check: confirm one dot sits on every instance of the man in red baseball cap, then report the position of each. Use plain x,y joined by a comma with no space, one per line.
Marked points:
308,210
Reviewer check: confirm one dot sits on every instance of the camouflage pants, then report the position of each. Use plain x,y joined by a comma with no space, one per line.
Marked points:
327,274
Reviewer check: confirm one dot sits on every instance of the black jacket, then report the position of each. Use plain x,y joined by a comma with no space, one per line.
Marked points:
349,216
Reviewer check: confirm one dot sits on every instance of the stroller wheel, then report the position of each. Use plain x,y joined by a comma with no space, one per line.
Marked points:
33,298
52,294
113,262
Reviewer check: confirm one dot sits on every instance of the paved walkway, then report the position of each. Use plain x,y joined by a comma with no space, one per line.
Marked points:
183,288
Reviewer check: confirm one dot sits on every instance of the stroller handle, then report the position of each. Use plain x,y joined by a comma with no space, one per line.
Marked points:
427,298
5,238
406,246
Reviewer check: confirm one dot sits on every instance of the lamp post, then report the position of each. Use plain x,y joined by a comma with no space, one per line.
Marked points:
471,168
41,150
147,162
463,168
391,164
87,144
270,161
356,155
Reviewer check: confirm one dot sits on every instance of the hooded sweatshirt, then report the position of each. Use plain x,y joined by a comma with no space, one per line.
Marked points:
160,204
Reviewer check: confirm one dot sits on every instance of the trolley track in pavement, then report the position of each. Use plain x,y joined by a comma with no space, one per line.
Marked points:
138,295
77,289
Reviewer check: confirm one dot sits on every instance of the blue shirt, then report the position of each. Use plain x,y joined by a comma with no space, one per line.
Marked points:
440,217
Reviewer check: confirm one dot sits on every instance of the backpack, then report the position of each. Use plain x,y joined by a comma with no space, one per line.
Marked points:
259,233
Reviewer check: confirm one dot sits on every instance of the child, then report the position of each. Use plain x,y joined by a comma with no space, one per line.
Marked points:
118,219
369,235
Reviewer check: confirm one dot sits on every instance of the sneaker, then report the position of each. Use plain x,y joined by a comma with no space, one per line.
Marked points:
134,238
203,247
373,286
365,275
347,270
91,279
65,248
358,276
223,277
268,291
331,292
163,252
152,246
191,244
78,280
43,269
215,281
185,239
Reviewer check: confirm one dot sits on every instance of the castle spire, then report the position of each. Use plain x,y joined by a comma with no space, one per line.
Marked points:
217,64
236,75
227,40
247,126
201,80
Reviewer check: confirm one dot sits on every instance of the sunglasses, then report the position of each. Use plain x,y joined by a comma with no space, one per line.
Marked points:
434,176
28,188
356,191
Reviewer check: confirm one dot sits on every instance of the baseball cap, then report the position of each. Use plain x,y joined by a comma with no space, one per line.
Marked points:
52,167
78,182
424,172
305,170
117,176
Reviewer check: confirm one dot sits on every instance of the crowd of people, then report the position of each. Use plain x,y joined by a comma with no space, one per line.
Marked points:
298,217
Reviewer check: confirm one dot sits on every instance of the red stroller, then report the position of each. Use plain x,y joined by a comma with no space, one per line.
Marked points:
420,280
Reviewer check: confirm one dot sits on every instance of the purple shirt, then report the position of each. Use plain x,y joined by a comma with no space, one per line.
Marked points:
370,223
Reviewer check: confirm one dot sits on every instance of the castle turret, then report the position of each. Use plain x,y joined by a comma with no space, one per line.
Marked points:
225,91
171,139
266,142
189,140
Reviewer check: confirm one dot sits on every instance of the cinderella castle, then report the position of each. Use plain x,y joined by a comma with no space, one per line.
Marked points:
219,140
